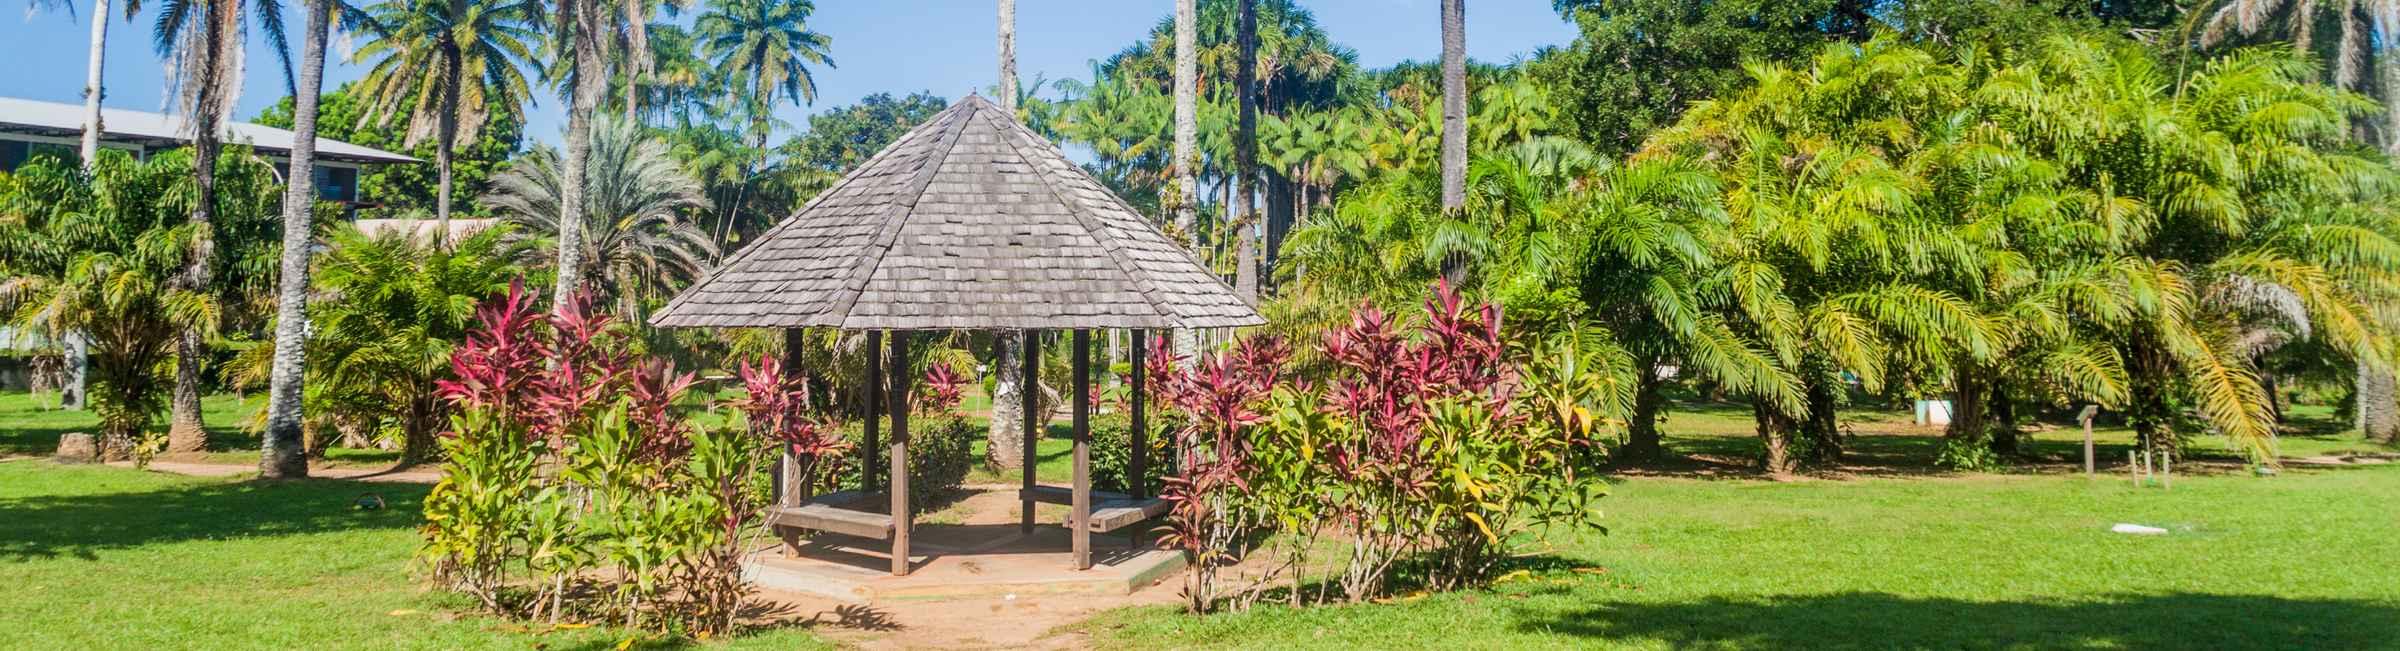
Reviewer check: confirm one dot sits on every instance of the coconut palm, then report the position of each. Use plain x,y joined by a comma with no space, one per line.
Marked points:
1242,213
440,67
97,59
637,240
1005,434
201,40
280,451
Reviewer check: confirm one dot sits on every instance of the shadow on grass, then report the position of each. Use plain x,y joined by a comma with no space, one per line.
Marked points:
78,526
1862,620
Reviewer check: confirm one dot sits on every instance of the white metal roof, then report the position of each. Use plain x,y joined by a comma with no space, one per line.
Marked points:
53,118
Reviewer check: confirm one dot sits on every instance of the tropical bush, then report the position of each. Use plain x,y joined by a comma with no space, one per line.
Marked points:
1431,450
645,520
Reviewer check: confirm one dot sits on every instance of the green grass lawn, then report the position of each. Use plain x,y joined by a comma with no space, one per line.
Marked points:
110,558
2303,560
99,557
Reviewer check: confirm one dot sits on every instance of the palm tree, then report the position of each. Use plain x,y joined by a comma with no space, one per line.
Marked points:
2366,29
1245,155
392,307
765,47
442,65
93,252
636,238
580,36
1004,437
1454,120
281,454
1187,118
202,40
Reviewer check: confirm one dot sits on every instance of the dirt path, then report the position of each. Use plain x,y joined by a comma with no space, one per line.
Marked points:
1019,622
408,476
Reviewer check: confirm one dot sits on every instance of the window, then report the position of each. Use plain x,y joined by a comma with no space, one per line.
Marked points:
336,183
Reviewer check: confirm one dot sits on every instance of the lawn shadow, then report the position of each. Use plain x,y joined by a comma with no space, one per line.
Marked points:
78,526
1864,620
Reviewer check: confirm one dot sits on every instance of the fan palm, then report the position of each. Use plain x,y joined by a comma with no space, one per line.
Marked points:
441,66
636,237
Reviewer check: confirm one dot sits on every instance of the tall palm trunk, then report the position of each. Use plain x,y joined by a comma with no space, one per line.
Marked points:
186,432
1454,125
1004,439
1245,156
1643,440
1187,118
282,454
591,79
1187,142
91,86
447,128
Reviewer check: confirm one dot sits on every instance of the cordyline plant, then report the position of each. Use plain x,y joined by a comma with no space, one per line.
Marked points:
945,388
777,409
1223,396
1430,448
570,465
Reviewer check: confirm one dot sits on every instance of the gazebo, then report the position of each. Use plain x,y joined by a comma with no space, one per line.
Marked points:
971,221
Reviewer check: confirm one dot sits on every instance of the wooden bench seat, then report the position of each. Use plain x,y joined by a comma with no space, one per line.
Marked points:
1110,511
827,513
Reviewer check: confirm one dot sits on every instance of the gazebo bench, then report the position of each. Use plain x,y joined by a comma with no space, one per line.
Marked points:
830,513
1110,511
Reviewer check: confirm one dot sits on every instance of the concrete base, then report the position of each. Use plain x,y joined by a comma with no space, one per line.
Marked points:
966,560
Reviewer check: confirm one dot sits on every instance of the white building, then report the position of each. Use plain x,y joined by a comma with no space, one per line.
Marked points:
30,128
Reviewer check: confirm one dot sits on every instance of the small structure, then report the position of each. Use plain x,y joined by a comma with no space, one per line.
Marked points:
969,222
30,127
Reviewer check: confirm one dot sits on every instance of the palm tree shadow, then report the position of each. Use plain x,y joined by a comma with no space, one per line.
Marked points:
1862,620
80,525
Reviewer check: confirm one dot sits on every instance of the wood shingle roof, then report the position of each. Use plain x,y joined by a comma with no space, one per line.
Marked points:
971,221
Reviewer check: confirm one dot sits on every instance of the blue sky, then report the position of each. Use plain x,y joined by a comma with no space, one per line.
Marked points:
899,46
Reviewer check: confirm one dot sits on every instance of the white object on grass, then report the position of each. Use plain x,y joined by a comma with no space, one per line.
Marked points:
2136,529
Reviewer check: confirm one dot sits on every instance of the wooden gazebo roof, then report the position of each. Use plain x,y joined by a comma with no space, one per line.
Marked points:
969,222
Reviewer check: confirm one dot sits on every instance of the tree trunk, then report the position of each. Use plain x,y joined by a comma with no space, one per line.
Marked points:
1245,176
2148,376
1004,439
2388,63
1775,430
1643,441
186,432
447,125
1008,56
281,453
2004,421
591,78
1187,119
91,85
1280,217
1186,160
1822,426
1967,422
2378,413
1454,126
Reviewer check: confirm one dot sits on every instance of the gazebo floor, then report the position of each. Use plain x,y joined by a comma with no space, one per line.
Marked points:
984,556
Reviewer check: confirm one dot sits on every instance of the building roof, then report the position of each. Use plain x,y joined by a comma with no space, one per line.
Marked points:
160,130
969,222
423,230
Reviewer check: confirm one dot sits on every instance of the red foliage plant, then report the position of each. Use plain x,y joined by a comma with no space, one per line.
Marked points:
945,388
778,410
499,366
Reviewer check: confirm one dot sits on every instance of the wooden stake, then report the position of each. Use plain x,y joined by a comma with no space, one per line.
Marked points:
2089,411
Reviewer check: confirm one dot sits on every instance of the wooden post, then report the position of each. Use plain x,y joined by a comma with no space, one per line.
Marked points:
790,490
1080,521
1035,422
869,449
902,516
1137,467
2166,470
2133,467
2089,411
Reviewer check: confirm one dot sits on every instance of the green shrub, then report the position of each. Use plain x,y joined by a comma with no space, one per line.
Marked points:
939,455
1112,454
